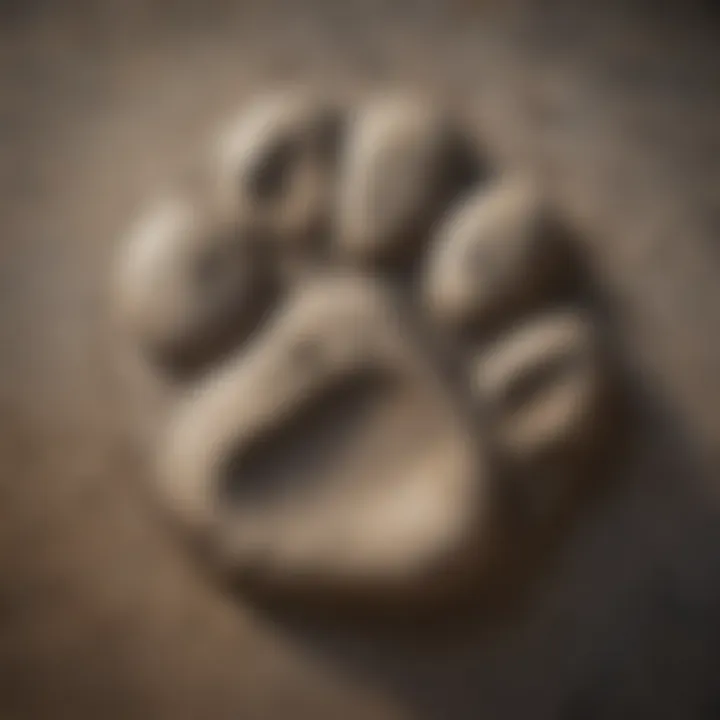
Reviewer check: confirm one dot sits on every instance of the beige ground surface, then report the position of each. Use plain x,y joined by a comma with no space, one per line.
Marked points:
101,615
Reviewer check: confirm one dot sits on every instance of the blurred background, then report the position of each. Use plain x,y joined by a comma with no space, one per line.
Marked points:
617,105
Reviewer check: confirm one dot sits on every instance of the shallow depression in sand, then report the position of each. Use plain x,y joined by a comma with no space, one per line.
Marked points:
367,427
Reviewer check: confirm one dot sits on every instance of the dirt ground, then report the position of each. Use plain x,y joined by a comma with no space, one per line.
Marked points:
101,614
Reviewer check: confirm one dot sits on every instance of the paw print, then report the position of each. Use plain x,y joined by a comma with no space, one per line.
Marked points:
370,334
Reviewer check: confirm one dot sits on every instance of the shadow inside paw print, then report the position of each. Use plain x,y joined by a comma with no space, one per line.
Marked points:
390,376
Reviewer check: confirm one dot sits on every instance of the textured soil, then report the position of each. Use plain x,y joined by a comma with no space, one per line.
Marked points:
101,614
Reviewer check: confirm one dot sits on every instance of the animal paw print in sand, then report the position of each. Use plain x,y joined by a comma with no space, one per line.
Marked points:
370,335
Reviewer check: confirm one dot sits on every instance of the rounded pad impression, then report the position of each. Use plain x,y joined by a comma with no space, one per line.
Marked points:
192,283
403,162
331,455
546,387
495,254
277,160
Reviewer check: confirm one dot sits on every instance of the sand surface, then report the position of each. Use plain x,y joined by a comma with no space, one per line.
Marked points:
101,614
